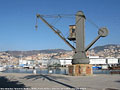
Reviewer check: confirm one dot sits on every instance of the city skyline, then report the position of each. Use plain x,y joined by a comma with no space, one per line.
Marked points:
18,18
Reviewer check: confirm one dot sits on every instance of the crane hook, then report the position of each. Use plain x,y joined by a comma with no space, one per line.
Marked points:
36,25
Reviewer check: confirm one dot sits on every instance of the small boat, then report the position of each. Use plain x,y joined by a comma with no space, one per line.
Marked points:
50,71
2,69
26,67
96,67
114,68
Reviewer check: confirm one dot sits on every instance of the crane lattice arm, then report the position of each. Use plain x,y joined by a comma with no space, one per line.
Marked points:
56,31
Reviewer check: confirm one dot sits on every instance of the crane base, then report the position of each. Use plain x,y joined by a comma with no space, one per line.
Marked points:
80,70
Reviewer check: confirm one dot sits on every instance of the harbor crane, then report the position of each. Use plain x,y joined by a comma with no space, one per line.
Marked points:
77,34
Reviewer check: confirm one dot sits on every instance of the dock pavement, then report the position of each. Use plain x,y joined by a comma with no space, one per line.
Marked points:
22,81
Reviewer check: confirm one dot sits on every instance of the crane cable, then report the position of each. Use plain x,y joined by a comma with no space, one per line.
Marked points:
59,16
36,24
68,16
56,20
91,22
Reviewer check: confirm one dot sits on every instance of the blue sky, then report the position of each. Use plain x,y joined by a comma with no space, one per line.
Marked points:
18,17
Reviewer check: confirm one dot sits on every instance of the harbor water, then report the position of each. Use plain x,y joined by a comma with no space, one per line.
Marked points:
38,71
53,71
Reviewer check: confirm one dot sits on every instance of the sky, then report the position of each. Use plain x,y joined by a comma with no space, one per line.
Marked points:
18,19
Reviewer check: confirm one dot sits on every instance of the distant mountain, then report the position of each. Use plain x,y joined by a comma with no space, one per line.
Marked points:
111,49
34,52
108,46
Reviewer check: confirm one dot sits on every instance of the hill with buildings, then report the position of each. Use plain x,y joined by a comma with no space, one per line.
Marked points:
12,57
109,46
35,52
110,50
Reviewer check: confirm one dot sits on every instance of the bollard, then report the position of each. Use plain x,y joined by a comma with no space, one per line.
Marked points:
34,70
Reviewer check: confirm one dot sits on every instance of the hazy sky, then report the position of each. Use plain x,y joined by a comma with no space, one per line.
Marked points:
18,17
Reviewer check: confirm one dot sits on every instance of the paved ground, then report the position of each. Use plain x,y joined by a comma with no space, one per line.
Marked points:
59,82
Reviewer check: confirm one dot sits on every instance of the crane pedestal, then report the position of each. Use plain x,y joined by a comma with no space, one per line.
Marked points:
80,63
80,70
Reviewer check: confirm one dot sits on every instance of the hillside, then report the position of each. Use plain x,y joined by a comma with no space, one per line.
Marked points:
34,52
110,50
104,51
102,48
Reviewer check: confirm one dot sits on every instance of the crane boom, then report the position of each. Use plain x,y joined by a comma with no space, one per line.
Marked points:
56,31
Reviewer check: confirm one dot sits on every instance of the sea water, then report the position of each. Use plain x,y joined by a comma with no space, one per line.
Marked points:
53,71
38,71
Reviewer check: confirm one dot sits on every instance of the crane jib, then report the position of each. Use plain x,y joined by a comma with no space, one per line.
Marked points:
56,31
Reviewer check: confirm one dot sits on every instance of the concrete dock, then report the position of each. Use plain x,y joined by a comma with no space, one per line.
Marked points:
59,82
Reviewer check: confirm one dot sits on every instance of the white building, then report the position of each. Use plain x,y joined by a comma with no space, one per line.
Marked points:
43,62
103,61
26,62
97,61
65,62
112,61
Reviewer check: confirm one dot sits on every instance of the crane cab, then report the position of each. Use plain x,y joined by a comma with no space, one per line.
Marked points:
72,34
